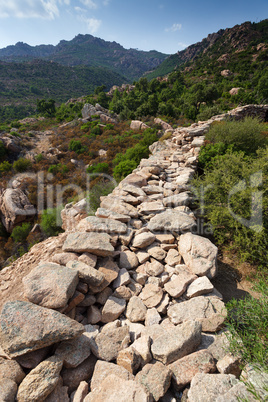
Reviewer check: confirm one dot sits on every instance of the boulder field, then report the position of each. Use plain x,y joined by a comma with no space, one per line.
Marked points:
122,307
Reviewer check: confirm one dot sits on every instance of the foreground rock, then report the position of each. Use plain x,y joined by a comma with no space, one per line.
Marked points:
19,318
207,387
114,388
199,254
95,243
155,378
209,311
50,285
177,342
171,221
41,381
15,208
183,370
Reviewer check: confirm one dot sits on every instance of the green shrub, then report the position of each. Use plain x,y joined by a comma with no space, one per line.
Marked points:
226,192
76,146
124,168
208,112
101,189
96,130
51,221
247,322
101,167
19,233
247,135
21,165
210,151
39,158
3,150
5,166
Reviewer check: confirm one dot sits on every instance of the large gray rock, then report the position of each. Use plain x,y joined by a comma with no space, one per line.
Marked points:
15,208
116,204
50,285
207,387
177,342
113,388
41,381
184,369
103,369
10,369
19,318
106,213
171,221
107,344
178,200
88,274
155,378
209,311
95,243
143,240
199,254
112,309
95,224
72,377
136,310
178,283
8,390
74,351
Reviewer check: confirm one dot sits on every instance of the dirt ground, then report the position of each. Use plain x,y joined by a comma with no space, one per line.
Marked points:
233,279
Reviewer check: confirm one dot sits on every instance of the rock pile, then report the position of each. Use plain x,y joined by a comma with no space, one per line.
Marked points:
122,306
105,115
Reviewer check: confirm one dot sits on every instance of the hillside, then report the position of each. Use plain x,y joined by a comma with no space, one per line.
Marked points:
88,50
23,83
223,46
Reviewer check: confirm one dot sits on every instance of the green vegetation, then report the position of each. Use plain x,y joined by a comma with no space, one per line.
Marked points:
248,322
51,221
76,146
19,233
230,175
125,163
232,194
21,165
246,136
101,189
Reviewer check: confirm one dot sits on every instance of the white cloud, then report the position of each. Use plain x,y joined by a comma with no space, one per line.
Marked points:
89,4
106,2
174,28
182,45
46,9
92,24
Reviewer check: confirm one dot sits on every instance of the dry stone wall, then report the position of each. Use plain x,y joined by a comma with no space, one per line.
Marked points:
122,305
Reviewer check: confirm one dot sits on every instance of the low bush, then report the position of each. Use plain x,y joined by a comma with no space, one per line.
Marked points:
51,221
247,322
5,166
124,168
101,167
19,233
247,135
21,165
232,195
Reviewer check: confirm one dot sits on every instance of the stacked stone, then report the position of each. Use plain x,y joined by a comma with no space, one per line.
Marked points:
126,310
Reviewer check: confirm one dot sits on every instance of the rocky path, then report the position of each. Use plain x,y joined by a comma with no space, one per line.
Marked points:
121,307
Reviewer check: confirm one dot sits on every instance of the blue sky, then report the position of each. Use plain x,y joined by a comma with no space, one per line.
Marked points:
163,25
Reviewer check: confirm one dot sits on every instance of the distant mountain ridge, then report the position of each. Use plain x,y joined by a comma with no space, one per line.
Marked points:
89,51
225,41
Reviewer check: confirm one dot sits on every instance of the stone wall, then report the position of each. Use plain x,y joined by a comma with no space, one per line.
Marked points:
122,305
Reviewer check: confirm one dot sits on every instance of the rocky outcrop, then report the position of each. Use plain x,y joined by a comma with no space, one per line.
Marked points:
122,306
15,208
105,115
